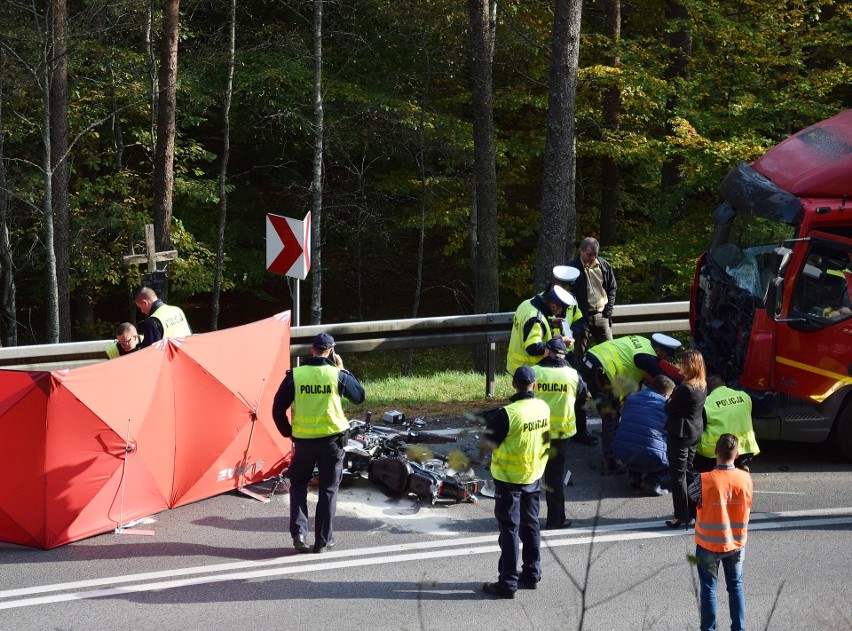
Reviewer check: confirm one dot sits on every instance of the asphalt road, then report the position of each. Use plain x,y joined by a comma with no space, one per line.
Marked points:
227,563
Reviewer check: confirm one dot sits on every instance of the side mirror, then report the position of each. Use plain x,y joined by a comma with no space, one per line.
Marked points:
774,291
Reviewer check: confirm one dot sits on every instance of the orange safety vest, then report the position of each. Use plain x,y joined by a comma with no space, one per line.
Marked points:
721,523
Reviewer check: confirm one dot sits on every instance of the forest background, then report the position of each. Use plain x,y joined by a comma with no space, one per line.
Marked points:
663,98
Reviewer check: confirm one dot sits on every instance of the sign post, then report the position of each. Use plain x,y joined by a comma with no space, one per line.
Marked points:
288,251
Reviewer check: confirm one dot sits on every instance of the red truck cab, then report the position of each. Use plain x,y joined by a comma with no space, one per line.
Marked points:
771,306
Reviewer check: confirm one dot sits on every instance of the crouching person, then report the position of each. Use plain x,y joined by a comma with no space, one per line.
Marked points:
640,441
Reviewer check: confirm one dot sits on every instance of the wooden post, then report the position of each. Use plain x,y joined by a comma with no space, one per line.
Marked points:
154,279
151,256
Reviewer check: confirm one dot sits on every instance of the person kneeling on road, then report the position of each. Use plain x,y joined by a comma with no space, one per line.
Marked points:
640,441
519,435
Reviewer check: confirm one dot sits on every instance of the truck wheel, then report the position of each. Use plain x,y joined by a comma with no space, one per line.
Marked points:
841,433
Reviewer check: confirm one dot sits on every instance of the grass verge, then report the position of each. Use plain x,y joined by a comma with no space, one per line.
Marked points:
449,392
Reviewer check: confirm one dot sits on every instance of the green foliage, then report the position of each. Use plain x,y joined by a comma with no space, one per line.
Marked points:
397,111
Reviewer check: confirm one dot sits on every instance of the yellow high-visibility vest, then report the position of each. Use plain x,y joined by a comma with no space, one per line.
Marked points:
317,407
557,386
522,456
728,411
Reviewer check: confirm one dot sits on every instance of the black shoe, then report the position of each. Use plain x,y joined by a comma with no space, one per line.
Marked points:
498,590
677,523
300,544
565,524
615,468
322,547
528,583
585,439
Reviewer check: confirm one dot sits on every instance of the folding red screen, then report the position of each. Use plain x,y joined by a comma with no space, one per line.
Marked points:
90,449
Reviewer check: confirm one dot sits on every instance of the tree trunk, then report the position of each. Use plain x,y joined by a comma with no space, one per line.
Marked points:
424,201
52,298
9,325
151,58
316,183
558,211
117,131
59,162
474,219
610,170
165,147
680,41
223,170
486,280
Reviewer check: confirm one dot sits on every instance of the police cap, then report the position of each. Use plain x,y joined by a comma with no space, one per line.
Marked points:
566,274
524,376
665,341
323,341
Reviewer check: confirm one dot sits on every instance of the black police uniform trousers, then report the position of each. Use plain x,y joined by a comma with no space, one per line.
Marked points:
516,508
607,402
554,482
326,454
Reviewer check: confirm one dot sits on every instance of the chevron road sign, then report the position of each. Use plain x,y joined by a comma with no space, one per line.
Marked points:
288,245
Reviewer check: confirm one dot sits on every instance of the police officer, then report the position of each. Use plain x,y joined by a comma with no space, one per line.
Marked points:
571,321
614,369
566,277
126,341
519,435
163,320
318,429
564,391
726,411
531,327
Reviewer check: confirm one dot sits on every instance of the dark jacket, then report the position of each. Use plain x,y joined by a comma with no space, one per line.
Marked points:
640,441
581,287
150,329
497,420
685,413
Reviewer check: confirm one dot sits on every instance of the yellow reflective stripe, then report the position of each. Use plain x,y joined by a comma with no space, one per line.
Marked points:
842,380
504,457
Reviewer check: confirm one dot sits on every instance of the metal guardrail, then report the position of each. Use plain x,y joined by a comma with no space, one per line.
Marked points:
363,337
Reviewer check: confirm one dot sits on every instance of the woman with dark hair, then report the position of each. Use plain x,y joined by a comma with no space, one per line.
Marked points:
684,424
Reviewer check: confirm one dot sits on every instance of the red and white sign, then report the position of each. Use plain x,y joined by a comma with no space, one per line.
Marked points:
288,245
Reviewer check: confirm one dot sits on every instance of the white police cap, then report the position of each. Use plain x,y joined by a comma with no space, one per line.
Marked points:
566,274
563,296
666,341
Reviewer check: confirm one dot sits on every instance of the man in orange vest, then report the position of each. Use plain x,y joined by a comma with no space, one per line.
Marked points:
723,500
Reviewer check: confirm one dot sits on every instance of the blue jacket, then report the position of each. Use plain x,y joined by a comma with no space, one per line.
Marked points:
640,441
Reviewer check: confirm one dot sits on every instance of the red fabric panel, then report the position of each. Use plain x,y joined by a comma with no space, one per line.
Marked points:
22,422
90,449
221,380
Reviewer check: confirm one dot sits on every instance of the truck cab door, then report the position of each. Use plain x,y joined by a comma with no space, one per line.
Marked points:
813,335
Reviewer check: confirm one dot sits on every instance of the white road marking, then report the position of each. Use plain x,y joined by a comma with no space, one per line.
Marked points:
295,564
